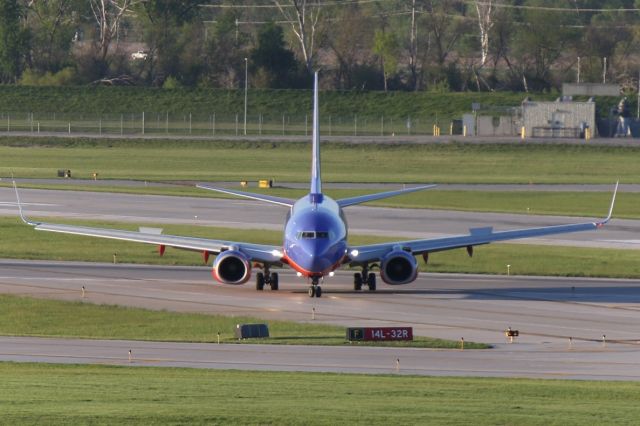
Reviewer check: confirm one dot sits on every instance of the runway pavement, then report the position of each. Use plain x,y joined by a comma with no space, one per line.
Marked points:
546,311
498,187
245,214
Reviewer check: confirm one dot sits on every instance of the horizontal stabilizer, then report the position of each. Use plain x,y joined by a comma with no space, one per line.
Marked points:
260,197
345,202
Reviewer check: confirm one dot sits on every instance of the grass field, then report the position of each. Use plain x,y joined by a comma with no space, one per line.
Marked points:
24,316
65,394
289,161
22,242
93,100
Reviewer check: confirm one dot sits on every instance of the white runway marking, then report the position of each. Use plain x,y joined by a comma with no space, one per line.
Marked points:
13,203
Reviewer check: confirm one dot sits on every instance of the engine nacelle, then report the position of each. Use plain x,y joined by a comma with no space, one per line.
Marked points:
398,267
232,267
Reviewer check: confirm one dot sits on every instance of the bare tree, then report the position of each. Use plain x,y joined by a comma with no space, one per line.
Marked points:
108,14
303,16
485,23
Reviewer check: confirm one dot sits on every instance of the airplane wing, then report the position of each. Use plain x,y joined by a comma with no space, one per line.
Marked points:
256,252
476,236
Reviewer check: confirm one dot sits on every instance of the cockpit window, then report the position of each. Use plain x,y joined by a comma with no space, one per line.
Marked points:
312,235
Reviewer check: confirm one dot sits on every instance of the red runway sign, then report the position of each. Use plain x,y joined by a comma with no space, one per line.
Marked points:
379,333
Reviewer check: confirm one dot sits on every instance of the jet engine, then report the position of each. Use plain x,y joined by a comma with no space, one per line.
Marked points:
398,267
232,267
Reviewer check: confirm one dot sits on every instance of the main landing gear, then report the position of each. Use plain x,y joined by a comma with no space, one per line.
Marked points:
315,290
270,279
366,277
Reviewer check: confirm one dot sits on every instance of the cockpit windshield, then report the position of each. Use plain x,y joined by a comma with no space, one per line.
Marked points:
312,235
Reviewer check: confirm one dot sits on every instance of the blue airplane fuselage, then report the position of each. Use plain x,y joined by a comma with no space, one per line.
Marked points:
315,236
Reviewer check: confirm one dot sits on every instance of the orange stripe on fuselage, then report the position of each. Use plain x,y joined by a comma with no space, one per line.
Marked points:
307,273
300,269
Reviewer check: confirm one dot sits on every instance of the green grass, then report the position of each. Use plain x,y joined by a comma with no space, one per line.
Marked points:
92,100
66,394
24,316
22,242
289,161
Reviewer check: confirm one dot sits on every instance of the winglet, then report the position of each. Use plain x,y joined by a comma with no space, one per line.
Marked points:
24,219
613,200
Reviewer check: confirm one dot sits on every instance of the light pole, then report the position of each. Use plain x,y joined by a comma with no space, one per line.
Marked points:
246,86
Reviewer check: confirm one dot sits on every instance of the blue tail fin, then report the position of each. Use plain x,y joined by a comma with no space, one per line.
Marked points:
316,180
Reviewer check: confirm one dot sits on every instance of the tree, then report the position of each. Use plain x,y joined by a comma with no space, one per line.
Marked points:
485,24
274,63
225,53
351,44
385,45
539,44
444,34
444,29
108,15
600,41
12,41
304,17
53,26
173,34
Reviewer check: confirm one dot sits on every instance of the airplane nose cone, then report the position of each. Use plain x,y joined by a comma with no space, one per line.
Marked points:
320,258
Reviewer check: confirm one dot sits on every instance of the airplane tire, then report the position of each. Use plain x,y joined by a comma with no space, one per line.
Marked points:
312,291
357,281
259,281
318,291
274,281
371,281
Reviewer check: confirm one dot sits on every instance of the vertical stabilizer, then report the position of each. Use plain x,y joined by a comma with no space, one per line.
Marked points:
316,181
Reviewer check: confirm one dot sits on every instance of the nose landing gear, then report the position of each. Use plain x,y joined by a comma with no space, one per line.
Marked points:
315,290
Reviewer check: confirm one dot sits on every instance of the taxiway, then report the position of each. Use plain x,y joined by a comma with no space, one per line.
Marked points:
246,214
546,311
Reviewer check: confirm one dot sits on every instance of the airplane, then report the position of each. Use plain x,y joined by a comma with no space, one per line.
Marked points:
315,241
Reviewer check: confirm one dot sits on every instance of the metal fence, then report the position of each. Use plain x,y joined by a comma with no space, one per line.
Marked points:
216,124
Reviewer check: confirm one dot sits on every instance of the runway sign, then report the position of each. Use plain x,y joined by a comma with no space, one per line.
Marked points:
365,334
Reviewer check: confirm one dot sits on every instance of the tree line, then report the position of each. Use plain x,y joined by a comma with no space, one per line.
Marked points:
411,45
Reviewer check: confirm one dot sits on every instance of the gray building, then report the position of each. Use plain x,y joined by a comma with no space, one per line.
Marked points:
558,119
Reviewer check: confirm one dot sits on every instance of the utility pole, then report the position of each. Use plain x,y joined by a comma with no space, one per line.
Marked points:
413,54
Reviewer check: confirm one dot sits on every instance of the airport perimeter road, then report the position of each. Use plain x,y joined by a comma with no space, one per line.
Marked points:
546,311
402,223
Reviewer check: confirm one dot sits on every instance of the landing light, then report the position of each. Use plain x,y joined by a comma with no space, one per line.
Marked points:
276,253
299,274
331,273
354,253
